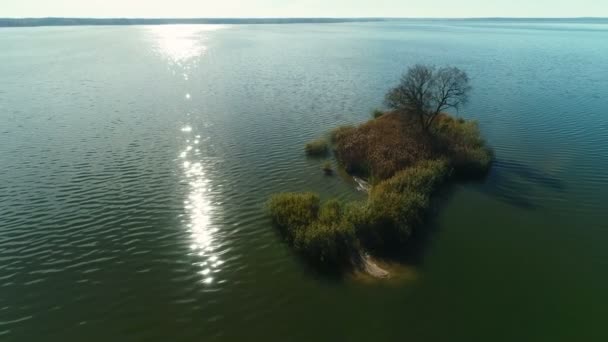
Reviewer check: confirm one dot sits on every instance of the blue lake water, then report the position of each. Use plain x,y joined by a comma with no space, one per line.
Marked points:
135,163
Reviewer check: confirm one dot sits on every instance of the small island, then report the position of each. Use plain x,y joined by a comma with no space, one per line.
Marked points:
406,154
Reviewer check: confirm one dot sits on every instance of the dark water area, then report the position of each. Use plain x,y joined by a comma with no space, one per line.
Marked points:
135,163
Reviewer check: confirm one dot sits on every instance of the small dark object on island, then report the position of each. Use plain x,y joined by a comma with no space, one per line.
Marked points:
327,169
317,148
377,113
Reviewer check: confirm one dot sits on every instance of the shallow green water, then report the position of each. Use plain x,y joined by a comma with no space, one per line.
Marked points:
134,163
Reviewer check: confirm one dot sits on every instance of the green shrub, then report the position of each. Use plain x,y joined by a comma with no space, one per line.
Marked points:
472,163
329,245
376,113
391,218
461,142
330,211
327,168
318,147
396,206
293,211
328,234
424,177
322,234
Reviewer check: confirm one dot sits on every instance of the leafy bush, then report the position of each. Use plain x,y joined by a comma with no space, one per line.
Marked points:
461,142
327,168
329,234
396,206
423,177
376,113
292,211
318,147
322,234
329,240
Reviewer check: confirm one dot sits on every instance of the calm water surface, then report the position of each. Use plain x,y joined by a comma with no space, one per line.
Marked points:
135,161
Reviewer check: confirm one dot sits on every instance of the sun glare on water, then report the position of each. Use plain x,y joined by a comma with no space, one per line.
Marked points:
181,43
200,207
182,46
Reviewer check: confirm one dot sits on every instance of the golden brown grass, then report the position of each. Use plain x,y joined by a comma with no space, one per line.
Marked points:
381,147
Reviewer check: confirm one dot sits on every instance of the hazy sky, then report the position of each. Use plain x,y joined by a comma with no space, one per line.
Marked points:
303,8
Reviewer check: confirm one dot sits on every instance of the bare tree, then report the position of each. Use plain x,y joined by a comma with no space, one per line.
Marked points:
424,92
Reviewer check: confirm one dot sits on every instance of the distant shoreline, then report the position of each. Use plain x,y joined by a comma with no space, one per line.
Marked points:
52,21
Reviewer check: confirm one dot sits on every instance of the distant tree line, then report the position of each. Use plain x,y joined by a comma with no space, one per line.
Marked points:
56,21
21,22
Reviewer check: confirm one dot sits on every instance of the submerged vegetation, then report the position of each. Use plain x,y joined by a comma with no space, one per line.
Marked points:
327,169
406,153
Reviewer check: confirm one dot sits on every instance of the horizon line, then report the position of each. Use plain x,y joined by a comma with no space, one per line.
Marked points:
317,17
125,21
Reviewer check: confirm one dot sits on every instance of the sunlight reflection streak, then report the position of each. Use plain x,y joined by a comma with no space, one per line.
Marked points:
181,45
200,211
